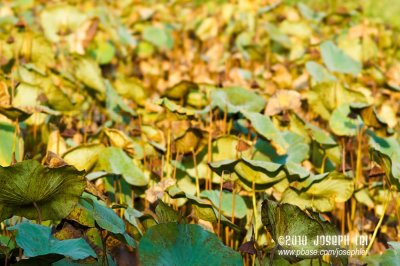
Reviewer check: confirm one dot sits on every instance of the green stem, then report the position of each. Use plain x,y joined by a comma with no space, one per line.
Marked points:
378,225
38,211
253,187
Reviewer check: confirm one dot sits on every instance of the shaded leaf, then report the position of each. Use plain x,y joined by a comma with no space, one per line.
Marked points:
37,240
55,191
184,244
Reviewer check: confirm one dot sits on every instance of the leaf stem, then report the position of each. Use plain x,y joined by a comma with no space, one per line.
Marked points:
38,211
219,205
197,174
378,225
253,188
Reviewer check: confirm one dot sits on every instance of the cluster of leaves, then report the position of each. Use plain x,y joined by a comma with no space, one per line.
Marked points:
168,132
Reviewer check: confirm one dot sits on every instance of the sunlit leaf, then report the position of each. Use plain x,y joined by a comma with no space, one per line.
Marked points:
336,60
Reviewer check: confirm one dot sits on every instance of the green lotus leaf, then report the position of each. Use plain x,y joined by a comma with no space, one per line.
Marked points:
370,118
160,37
237,99
165,213
175,108
34,191
105,53
240,209
340,122
391,256
37,240
203,209
264,174
184,244
82,214
14,113
336,60
62,18
321,137
107,219
390,165
88,72
115,161
322,194
7,140
131,88
277,35
297,152
325,97
223,148
83,157
116,106
181,90
264,126
286,221
319,73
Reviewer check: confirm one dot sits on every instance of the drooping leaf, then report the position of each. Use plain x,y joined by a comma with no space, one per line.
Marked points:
263,173
297,152
14,113
286,220
370,118
322,193
391,167
54,191
175,108
264,126
165,213
131,88
107,219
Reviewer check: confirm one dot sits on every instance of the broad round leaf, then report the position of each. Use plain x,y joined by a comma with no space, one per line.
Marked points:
321,195
184,244
240,209
237,99
286,220
116,161
55,191
37,240
340,122
336,60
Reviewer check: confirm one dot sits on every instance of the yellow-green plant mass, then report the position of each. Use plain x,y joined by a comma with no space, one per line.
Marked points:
199,132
